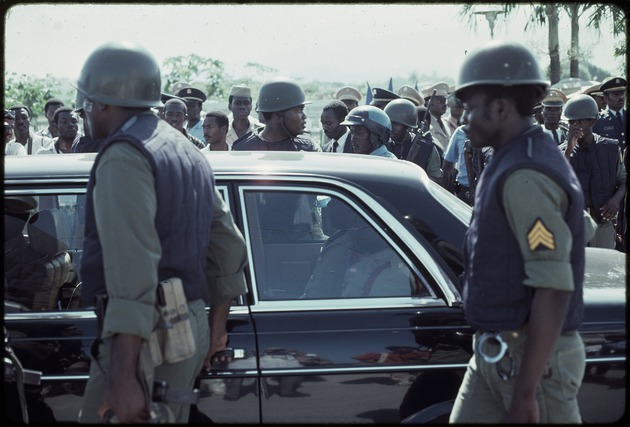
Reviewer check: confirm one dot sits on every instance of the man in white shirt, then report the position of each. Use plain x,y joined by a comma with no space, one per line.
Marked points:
240,122
338,135
23,134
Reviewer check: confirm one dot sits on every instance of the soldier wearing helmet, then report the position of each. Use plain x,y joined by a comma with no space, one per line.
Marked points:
598,165
371,129
151,194
524,251
281,102
404,117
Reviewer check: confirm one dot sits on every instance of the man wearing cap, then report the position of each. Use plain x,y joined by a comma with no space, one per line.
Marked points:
11,148
612,123
552,111
240,122
538,116
67,124
437,107
596,93
409,93
381,97
175,115
23,134
597,163
524,252
456,110
194,98
281,101
50,107
349,96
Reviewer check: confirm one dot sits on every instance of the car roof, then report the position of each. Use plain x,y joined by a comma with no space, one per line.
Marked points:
354,167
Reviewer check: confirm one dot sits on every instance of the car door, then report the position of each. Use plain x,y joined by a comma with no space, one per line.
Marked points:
51,332
355,321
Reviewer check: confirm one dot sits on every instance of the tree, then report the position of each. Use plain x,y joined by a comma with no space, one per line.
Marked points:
31,91
616,16
205,73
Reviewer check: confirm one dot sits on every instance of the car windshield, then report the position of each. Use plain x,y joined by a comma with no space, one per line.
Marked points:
458,208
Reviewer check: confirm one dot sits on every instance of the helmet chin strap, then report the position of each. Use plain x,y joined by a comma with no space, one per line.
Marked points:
284,128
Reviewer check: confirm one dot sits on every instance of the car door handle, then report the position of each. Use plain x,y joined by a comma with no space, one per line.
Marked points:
234,353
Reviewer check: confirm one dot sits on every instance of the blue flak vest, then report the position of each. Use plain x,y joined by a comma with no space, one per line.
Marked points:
596,168
184,185
495,297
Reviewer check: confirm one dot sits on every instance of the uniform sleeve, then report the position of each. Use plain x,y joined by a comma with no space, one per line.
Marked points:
227,256
433,167
125,206
535,207
452,151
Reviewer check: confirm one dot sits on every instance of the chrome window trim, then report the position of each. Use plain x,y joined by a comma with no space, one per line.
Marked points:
308,185
346,304
46,191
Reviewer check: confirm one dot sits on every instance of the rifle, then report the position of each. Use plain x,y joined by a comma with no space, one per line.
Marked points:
468,158
423,131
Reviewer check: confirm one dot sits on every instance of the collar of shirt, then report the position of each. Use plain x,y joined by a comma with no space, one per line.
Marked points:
341,141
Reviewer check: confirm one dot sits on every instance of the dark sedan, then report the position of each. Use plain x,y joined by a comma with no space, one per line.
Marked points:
354,310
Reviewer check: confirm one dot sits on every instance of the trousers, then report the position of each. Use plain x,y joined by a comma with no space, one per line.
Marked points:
179,376
485,394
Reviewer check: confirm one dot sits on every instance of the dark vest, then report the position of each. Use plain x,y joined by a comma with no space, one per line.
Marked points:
420,150
401,150
495,297
596,168
185,194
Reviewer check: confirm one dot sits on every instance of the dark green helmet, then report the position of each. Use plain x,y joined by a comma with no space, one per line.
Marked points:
374,119
500,63
121,74
402,111
280,94
581,107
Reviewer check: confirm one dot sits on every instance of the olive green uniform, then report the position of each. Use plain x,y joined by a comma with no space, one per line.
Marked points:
226,260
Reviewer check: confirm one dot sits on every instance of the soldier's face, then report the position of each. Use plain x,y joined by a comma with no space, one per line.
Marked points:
240,106
361,143
294,120
551,116
438,105
615,99
194,109
212,132
175,115
483,125
350,104
398,131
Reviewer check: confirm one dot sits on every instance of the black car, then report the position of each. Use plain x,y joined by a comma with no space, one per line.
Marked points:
354,310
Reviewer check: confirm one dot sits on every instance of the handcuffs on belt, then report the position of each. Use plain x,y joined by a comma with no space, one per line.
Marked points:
496,339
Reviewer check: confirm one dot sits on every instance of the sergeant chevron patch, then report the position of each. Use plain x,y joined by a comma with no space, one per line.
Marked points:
540,238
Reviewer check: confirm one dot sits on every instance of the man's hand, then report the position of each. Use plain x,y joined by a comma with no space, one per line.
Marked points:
574,134
523,409
126,399
125,396
217,345
610,209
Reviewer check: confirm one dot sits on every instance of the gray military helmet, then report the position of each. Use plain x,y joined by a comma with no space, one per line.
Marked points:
500,63
402,111
373,118
121,74
280,94
581,107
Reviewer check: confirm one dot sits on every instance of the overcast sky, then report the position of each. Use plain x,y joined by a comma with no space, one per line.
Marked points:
343,43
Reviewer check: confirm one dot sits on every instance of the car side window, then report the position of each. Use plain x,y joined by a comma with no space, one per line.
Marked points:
318,246
43,247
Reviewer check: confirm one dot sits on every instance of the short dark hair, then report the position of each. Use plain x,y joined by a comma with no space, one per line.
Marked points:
339,109
176,101
60,110
220,117
51,101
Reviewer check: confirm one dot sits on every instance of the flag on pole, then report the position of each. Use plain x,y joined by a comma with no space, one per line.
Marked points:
368,95
391,85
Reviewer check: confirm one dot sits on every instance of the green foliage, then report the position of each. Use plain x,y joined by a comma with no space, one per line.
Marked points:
32,92
206,74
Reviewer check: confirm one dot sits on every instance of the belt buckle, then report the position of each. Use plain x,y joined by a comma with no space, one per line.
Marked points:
495,336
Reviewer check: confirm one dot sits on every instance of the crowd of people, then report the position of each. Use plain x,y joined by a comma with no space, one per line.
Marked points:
492,150
424,126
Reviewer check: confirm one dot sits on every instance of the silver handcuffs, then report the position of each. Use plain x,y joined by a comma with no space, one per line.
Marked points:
496,339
